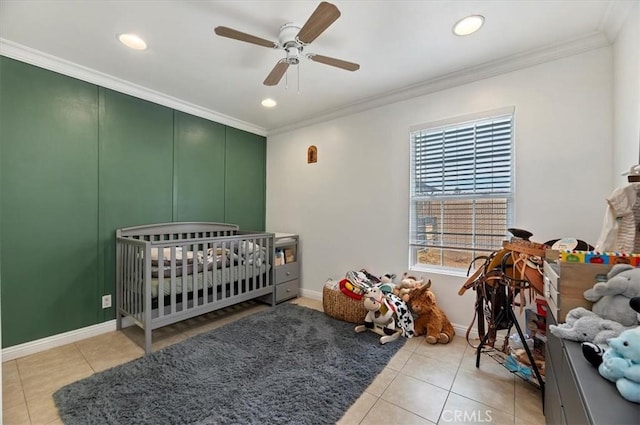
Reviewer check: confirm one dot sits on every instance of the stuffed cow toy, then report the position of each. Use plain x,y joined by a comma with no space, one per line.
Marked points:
380,316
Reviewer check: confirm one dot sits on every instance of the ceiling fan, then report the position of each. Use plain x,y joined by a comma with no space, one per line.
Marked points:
293,39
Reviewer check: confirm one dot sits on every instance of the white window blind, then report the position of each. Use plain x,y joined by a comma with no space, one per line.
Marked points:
461,191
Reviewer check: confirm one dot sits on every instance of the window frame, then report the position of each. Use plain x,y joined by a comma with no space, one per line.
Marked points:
460,121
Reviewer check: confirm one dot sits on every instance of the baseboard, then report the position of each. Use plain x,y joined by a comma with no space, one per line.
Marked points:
32,347
314,295
462,331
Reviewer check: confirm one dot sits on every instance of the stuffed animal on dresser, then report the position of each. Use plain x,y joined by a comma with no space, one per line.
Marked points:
583,325
611,298
594,353
621,364
431,321
612,312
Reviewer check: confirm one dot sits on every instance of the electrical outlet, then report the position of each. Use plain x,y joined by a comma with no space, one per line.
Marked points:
106,301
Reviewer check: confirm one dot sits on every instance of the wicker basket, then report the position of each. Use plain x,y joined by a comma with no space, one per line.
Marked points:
341,307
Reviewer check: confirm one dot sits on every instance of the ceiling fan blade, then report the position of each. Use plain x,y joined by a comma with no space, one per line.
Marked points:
338,63
324,15
276,74
238,35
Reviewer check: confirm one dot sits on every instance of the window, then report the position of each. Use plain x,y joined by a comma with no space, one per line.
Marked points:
461,190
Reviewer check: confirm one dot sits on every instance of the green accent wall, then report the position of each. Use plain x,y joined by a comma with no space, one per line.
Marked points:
79,161
245,184
48,135
199,169
135,169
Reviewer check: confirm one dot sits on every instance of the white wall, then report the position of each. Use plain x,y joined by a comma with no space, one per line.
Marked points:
626,106
351,208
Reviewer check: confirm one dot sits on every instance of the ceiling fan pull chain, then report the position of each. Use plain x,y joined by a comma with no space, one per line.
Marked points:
298,78
286,80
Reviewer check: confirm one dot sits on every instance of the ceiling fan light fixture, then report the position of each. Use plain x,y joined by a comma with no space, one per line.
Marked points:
132,41
468,25
268,103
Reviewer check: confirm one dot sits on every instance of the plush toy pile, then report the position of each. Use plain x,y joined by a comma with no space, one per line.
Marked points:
610,314
391,308
609,333
387,315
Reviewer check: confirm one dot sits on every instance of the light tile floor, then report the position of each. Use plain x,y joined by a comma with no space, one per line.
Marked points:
422,384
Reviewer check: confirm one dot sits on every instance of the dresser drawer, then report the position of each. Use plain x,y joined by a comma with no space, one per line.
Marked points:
565,283
554,348
572,404
287,272
287,290
553,412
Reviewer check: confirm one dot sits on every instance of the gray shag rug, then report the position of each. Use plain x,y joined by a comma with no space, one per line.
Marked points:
285,365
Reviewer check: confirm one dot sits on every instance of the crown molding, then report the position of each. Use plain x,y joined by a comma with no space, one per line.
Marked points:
614,18
464,76
31,56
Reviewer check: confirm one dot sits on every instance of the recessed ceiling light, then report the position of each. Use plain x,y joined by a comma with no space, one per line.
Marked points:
132,41
269,103
468,25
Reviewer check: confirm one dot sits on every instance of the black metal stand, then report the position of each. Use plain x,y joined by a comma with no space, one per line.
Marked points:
511,317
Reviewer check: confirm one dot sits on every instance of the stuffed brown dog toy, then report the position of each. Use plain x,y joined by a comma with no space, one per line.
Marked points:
431,321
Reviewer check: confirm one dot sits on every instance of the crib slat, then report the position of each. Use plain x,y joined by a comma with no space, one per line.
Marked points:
173,280
227,271
125,278
139,278
209,255
214,272
265,243
123,270
194,278
132,282
130,287
145,277
160,282
257,276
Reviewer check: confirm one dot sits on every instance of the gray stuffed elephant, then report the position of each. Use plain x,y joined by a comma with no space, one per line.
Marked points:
611,298
583,325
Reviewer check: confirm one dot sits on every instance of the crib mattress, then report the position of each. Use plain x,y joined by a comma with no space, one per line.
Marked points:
221,276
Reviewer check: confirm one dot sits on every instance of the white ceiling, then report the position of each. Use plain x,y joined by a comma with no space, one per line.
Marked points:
399,45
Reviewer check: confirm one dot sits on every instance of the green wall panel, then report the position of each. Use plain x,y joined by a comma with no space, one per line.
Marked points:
199,169
245,181
136,171
49,148
77,162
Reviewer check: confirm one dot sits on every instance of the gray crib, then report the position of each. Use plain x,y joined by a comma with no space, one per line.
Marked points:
170,272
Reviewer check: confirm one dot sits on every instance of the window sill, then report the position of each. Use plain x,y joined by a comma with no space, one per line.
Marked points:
438,270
